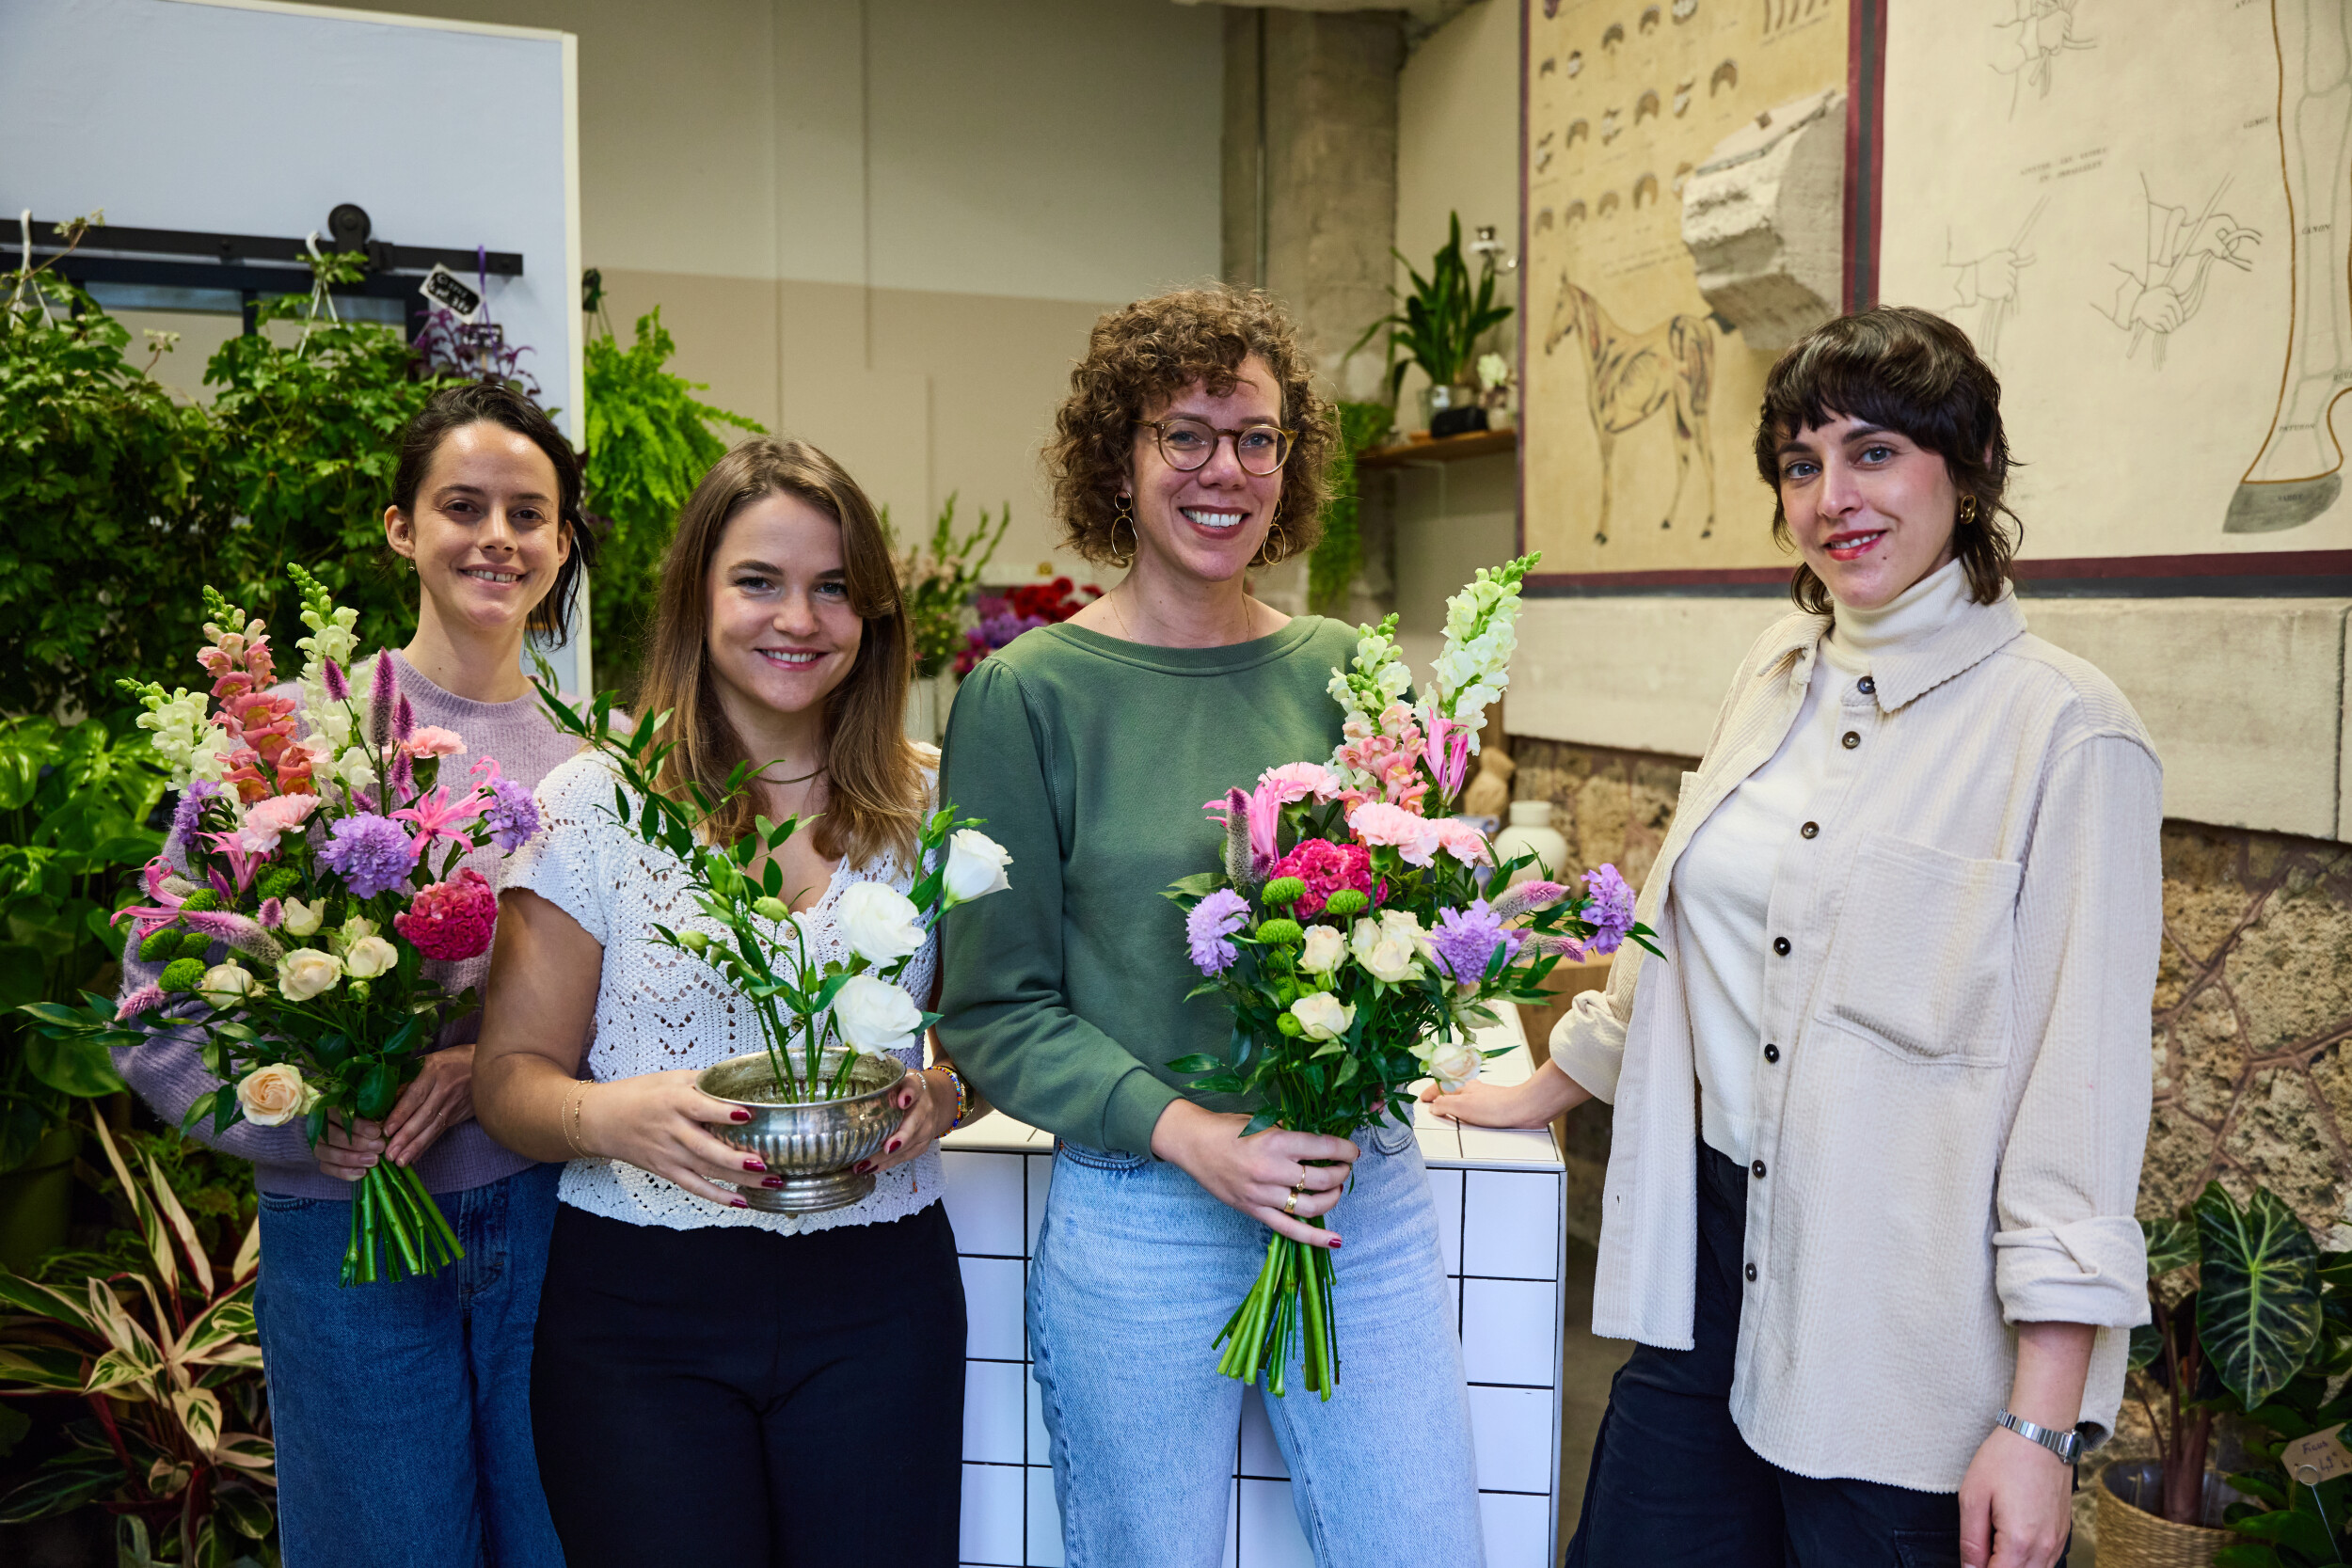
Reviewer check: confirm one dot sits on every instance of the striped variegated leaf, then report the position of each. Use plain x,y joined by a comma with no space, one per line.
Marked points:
199,1409
143,1209
247,1452
122,1375
44,1366
176,1219
43,1301
248,1263
2258,1292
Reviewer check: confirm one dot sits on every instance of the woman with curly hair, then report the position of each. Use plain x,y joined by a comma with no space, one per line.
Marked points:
1191,451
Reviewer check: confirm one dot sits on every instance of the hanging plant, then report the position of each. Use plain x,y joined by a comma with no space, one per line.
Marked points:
1339,554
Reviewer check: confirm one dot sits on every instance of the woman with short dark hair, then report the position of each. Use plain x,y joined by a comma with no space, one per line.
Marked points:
1879,1114
429,1459
1191,451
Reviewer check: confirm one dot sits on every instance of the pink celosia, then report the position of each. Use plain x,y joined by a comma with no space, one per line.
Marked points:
144,999
452,920
431,740
1325,867
1414,837
265,821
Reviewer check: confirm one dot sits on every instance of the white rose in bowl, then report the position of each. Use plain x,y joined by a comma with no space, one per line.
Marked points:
1323,1016
369,957
880,923
306,972
1323,951
1455,1065
975,867
275,1095
876,1016
225,984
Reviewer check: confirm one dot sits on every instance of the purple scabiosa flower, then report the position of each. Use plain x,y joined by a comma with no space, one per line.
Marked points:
332,678
1212,920
370,853
1465,941
190,809
513,816
1607,908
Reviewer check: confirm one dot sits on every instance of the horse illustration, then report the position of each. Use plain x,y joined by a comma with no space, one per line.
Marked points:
1631,376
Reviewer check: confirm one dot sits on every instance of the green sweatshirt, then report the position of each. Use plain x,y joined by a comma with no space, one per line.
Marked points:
1091,758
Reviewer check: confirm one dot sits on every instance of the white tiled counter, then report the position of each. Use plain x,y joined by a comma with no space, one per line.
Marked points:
1499,1197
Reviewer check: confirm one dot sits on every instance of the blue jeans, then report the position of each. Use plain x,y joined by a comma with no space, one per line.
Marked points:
1135,1271
402,1411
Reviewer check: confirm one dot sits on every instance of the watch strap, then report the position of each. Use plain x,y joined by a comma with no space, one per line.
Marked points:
2068,1446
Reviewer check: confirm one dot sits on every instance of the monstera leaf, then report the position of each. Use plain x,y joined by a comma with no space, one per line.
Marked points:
2258,1312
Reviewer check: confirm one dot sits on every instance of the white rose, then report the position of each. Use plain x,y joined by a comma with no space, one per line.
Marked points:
1324,948
876,1016
357,928
369,957
306,972
880,923
1323,1016
302,920
1454,1064
1386,954
225,985
1404,928
275,1095
975,867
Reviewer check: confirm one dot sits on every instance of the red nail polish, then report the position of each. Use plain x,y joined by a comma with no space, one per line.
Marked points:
740,1116
891,1148
740,1202
1335,1244
773,1181
755,1164
864,1166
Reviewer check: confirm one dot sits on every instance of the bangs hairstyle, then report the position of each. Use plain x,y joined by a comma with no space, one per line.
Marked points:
452,408
874,781
1910,371
1141,359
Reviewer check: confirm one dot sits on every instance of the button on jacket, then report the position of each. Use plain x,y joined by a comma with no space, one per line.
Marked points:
1955,1017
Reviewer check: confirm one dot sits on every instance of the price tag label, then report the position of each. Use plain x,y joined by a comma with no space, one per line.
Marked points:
2320,1457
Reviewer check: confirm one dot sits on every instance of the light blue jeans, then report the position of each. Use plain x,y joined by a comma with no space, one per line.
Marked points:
401,1410
1137,1269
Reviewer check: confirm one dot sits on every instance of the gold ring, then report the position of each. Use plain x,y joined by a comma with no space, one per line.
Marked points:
1290,1204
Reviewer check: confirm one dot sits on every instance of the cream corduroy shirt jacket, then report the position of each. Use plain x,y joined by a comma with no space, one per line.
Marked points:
1962,951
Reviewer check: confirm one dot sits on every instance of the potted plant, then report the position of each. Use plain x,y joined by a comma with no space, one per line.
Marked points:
937,578
2235,1296
1439,330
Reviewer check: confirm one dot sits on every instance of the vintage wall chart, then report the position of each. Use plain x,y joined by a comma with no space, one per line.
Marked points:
1640,408
2101,193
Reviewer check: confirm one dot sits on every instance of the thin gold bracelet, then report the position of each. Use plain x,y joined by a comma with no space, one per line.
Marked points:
570,1117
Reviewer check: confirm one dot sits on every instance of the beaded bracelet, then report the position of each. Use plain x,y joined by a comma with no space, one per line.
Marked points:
964,1093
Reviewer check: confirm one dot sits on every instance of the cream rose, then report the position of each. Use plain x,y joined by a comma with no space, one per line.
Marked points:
975,867
369,957
301,919
880,923
306,972
275,1095
357,928
225,985
876,1016
1454,1064
1385,955
1323,1016
1323,951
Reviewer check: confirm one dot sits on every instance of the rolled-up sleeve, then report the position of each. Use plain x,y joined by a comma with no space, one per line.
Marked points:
2089,918
1588,1041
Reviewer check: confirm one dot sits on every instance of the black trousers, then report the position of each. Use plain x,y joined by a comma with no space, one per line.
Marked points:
1673,1483
734,1398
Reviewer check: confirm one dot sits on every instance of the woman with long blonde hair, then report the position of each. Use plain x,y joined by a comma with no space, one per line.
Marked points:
714,1382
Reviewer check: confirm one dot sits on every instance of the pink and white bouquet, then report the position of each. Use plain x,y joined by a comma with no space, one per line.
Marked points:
1348,932
324,866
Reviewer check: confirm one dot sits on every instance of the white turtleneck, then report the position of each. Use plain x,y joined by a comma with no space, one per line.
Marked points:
1722,886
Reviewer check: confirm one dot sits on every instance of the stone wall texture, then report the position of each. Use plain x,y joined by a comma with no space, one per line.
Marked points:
2251,1020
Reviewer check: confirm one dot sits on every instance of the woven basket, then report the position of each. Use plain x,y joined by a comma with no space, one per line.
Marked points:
2133,1537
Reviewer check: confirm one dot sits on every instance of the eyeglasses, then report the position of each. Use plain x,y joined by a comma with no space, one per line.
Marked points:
1188,444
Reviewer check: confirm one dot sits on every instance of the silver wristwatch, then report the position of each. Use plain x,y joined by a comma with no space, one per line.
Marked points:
2066,1445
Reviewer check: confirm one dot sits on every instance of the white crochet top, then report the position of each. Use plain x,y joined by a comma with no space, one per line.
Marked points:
658,1010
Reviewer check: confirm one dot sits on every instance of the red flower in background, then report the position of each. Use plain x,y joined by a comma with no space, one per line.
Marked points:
1005,616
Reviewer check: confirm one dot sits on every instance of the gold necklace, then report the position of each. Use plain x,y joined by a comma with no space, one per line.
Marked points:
1128,636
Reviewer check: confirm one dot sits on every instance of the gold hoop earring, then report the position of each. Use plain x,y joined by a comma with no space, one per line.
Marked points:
1126,514
1267,554
1967,511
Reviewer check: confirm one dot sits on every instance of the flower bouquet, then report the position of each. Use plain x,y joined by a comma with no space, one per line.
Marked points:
1025,607
1346,931
817,1021
326,860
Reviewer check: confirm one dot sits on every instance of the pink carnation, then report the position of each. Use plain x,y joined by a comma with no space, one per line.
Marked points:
431,740
452,920
1295,781
1325,867
1461,840
266,819
1412,835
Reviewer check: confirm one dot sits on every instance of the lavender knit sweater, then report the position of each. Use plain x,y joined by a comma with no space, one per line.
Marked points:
168,1073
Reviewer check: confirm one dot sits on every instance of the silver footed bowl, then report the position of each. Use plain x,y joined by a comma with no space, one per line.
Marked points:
814,1148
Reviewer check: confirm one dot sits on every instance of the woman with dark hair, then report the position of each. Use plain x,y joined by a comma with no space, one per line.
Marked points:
1879,1113
430,1460
1191,451
716,1384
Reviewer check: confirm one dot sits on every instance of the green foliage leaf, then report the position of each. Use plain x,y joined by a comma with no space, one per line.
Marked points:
2171,1243
74,1065
66,1481
2258,1312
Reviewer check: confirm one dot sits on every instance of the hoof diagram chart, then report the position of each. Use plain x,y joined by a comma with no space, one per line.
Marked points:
1638,395
2153,244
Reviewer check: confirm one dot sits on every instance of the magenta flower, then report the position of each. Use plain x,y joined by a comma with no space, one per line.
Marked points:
452,920
439,816
1325,867
332,678
1212,920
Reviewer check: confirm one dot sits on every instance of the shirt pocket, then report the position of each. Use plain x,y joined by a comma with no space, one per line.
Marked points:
1919,961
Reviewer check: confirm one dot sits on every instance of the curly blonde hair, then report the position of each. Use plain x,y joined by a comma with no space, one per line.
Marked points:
1142,356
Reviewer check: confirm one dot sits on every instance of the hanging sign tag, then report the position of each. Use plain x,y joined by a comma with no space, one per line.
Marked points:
2318,1457
452,293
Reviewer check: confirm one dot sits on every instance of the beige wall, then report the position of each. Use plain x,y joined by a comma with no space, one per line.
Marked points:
885,226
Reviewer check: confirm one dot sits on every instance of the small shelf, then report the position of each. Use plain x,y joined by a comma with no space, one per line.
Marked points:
1450,449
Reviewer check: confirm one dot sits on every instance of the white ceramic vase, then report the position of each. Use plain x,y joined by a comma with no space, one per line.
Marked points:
1531,832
